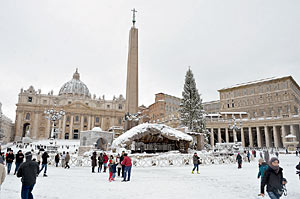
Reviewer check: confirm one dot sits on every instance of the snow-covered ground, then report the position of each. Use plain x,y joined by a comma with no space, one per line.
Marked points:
215,181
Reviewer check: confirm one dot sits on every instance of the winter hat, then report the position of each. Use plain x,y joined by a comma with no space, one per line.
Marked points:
28,155
273,159
275,168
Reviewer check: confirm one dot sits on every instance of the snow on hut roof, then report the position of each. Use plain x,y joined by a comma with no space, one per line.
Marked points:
290,136
96,129
141,130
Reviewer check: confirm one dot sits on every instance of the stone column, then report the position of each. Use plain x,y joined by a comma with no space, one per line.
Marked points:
89,123
283,134
71,128
250,137
243,137
48,128
93,122
59,128
219,136
293,131
102,123
35,127
276,136
64,126
81,123
258,137
212,137
227,135
267,136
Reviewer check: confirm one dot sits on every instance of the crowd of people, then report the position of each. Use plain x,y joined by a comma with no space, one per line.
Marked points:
120,164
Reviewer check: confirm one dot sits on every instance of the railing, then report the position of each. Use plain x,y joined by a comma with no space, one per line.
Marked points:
162,160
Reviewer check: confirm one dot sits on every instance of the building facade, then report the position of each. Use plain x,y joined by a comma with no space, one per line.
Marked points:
6,128
264,112
83,111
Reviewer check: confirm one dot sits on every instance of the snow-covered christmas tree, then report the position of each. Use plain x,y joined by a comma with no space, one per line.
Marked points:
192,114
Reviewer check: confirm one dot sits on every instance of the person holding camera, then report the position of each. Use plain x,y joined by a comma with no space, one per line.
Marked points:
273,178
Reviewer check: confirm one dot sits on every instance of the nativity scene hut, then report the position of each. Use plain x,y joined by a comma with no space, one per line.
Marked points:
152,138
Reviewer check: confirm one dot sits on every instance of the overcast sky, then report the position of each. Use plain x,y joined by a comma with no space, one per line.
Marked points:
224,41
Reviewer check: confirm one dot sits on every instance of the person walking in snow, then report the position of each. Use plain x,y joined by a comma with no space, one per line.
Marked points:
100,162
277,154
267,156
273,179
94,161
105,157
9,160
57,159
248,156
45,157
128,165
196,162
2,172
67,160
19,160
239,160
28,171
262,166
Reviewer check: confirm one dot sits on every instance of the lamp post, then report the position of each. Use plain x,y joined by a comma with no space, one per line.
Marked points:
53,115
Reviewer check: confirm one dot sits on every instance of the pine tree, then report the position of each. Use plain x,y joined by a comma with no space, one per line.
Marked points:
192,114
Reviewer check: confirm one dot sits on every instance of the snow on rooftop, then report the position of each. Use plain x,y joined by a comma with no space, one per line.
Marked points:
96,129
233,113
290,136
142,129
252,82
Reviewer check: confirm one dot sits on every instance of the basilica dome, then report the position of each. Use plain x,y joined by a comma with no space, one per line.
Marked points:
75,87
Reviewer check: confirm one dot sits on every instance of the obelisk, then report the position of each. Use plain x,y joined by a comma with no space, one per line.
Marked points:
132,93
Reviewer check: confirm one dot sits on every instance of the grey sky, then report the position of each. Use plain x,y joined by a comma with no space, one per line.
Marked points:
224,41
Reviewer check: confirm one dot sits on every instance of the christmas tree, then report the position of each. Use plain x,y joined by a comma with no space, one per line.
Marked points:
192,114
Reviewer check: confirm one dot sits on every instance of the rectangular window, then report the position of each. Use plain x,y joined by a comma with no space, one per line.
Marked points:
97,119
120,106
29,99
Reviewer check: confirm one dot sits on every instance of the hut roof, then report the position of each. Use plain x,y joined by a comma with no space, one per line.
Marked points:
142,130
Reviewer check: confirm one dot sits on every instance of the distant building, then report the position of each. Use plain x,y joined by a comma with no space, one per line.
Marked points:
6,128
264,112
83,111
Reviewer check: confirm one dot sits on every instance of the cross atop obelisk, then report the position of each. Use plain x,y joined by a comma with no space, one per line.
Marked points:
133,16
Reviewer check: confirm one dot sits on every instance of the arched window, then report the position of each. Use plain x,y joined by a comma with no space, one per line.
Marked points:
27,117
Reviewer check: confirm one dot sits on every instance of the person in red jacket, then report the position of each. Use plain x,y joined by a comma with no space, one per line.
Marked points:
128,165
105,162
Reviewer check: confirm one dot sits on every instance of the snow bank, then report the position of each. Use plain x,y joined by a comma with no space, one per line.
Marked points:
141,130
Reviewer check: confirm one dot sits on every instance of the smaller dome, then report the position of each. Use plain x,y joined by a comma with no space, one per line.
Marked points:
96,129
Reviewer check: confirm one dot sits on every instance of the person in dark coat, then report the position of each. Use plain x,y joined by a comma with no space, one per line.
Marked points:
67,160
28,172
19,160
248,156
267,156
57,158
298,170
239,160
196,163
100,162
9,160
45,157
121,160
273,178
94,161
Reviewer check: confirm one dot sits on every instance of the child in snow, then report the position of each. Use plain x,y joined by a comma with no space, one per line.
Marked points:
112,169
196,163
